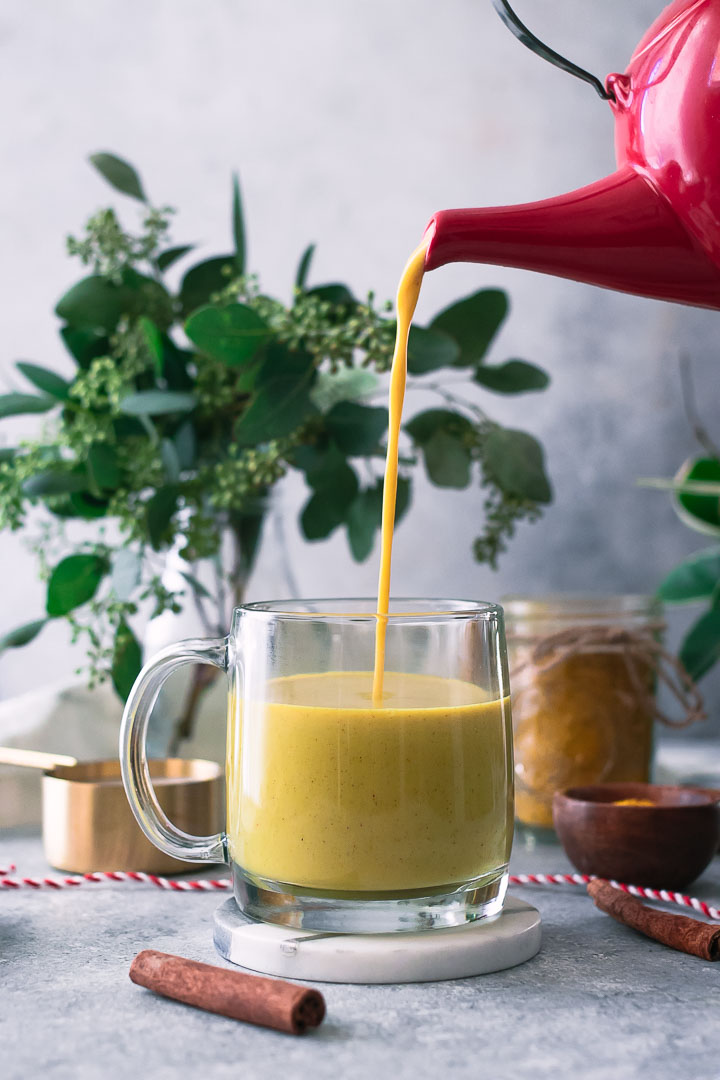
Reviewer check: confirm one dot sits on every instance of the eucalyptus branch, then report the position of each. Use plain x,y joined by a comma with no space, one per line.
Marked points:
187,407
449,397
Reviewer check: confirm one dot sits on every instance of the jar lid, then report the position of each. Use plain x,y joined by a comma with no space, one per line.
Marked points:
579,606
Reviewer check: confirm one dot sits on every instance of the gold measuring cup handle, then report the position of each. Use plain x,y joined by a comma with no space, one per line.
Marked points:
133,754
34,759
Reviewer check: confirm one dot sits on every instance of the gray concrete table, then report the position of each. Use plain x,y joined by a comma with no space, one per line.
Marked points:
599,1001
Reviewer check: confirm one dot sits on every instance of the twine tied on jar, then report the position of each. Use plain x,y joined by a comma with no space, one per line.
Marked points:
641,651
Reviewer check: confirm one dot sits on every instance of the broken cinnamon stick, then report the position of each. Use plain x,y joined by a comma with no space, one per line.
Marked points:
269,1002
676,931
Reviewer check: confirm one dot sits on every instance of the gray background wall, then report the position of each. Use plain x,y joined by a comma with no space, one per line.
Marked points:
350,124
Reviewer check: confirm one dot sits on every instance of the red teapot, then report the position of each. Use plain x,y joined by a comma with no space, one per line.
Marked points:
652,228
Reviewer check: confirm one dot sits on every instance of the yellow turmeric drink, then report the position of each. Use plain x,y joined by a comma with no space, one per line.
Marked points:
373,783
407,298
336,794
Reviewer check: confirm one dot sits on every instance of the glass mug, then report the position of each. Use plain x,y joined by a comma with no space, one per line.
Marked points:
344,815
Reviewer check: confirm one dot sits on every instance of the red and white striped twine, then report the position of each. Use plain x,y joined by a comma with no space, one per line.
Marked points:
114,876
635,890
221,884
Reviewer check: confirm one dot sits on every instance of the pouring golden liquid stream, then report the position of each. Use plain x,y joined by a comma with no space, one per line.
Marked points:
331,791
407,298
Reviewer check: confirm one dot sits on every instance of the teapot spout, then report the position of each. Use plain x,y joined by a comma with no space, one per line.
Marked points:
618,233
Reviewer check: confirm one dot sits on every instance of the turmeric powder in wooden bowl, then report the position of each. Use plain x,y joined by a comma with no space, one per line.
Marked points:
644,834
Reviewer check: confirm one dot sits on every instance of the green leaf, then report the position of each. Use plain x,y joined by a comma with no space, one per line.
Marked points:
171,461
197,586
346,384
172,255
335,294
304,267
447,460
80,504
695,578
238,226
357,429
128,427
231,334
426,424
21,635
84,345
248,531
279,406
160,510
364,516
473,323
125,572
146,296
203,280
153,340
20,404
53,482
701,648
85,505
700,512
156,403
444,437
73,582
45,380
280,361
324,466
311,457
512,377
7,453
95,303
515,461
335,490
186,445
119,174
430,349
103,467
126,661
175,365
402,498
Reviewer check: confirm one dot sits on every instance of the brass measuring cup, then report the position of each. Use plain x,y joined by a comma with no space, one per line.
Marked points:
87,823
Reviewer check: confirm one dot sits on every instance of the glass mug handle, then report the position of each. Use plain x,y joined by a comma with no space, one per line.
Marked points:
133,755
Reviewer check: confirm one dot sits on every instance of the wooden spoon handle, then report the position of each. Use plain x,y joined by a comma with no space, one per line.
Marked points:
33,759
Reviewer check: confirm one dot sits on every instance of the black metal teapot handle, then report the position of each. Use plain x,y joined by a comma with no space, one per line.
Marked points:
521,32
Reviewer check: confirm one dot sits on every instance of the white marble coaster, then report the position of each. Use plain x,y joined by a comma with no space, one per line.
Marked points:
455,953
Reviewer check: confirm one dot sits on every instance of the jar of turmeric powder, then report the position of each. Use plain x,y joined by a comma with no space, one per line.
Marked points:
582,677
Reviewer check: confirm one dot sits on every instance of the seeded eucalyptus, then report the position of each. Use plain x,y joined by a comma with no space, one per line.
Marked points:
187,406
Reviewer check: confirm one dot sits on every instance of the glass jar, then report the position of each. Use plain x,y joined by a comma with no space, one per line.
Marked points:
582,677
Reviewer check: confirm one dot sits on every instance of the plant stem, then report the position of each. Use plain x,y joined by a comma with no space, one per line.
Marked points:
203,674
447,396
220,591
203,677
202,613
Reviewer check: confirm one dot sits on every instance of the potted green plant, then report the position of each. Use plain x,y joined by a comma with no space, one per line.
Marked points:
187,407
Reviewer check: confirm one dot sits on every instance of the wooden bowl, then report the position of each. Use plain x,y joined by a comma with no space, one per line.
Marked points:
666,845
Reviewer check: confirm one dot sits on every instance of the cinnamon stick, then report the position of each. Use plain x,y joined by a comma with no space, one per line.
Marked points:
676,931
269,1002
